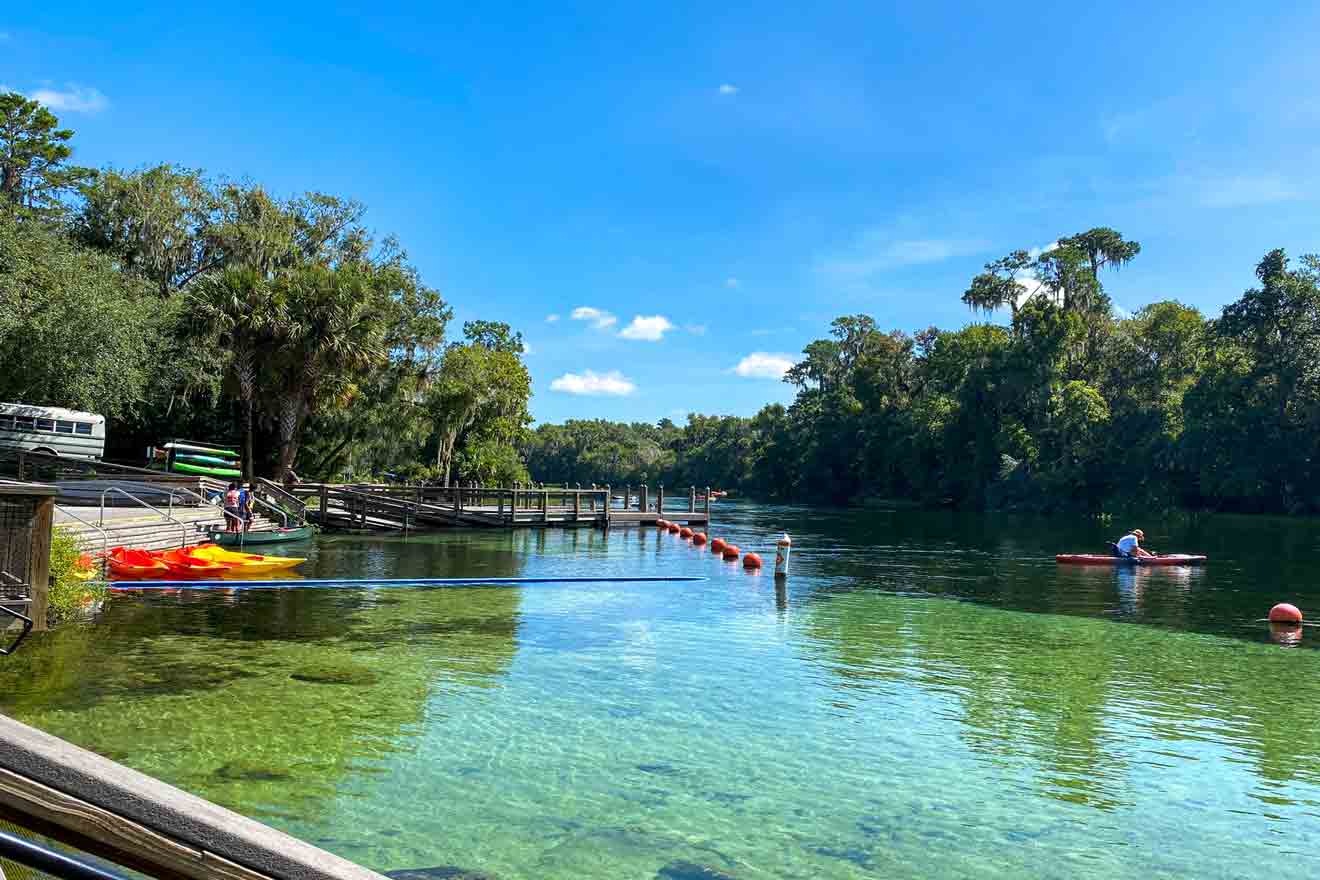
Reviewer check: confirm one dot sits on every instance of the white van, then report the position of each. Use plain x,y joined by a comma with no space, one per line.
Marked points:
52,429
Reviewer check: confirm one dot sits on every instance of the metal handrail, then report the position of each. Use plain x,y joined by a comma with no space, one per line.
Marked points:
27,628
287,497
183,529
48,861
105,536
275,507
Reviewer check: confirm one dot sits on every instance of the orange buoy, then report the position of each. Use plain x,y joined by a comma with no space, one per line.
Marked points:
699,538
731,551
686,532
751,560
1285,613
717,546
661,524
673,528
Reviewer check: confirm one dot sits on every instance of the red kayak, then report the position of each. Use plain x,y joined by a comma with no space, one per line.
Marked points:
1098,559
127,562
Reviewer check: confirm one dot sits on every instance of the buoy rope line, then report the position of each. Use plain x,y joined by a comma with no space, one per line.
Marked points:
295,583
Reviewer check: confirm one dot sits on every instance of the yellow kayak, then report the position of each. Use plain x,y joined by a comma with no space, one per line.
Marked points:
245,563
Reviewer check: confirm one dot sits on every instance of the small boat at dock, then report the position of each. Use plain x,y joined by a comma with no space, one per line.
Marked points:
261,536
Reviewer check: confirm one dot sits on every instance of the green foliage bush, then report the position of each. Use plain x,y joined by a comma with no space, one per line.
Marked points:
68,593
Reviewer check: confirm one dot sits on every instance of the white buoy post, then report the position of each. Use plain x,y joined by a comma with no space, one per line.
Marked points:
782,548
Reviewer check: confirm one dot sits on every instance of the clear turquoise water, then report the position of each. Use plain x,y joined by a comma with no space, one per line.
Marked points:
929,696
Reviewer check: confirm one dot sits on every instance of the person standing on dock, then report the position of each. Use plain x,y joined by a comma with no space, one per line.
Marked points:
245,505
231,508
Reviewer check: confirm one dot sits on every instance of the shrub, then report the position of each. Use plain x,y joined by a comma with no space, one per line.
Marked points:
68,593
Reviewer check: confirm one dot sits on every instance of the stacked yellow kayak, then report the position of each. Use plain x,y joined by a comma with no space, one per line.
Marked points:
245,563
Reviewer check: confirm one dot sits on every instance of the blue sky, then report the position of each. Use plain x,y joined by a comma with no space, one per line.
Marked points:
734,175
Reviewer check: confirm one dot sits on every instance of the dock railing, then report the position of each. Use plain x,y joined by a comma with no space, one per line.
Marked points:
52,789
368,505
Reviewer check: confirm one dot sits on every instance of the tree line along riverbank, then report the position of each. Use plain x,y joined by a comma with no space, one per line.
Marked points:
1069,406
179,303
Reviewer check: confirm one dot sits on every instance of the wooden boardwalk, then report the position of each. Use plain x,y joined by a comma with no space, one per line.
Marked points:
407,508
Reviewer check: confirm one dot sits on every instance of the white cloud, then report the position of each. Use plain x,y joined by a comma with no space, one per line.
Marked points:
764,365
74,99
650,328
598,318
527,347
550,319
591,383
728,89
696,329
732,283
876,252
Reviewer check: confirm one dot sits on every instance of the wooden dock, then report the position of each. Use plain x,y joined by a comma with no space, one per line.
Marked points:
168,511
407,508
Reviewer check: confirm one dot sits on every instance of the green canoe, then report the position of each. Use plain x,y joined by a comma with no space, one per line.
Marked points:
205,450
184,468
261,536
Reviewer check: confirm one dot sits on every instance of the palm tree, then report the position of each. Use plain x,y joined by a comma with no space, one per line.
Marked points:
236,309
331,330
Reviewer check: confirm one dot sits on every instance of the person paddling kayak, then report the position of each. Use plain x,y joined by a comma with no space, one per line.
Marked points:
1130,545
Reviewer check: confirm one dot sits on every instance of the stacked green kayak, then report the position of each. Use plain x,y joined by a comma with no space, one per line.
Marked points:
207,461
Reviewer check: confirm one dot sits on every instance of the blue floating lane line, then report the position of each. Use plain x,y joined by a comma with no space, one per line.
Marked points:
296,583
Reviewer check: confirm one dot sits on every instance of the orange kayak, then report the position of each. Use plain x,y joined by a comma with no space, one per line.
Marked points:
127,562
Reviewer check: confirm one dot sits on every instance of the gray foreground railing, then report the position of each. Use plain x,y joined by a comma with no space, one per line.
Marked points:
74,797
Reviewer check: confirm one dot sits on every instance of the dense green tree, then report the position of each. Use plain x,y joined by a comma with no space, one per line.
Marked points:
35,174
478,403
157,222
73,331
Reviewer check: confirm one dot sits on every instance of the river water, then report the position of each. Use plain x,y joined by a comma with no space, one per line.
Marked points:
930,695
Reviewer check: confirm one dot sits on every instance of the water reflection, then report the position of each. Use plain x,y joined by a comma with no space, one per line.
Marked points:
1287,634
1078,698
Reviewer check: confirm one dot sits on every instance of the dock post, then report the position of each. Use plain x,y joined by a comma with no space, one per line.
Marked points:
22,466
545,505
609,502
692,499
577,503
708,504
43,518
660,501
641,498
627,494
325,503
